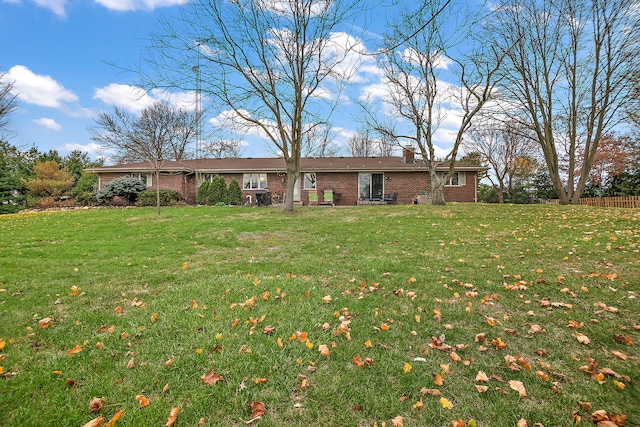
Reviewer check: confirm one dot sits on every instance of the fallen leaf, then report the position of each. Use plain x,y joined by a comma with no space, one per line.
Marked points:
74,350
458,423
620,355
173,415
45,323
599,415
482,388
582,339
368,344
481,376
438,380
96,422
398,421
542,375
211,377
114,419
445,403
131,363
95,404
418,404
257,409
519,387
407,368
324,350
522,423
142,401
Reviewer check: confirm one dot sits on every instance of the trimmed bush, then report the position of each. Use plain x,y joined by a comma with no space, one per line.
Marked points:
203,193
217,191
126,187
234,193
167,198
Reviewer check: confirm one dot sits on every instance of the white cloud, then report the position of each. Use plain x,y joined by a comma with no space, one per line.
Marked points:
38,89
129,5
48,123
91,148
135,99
56,6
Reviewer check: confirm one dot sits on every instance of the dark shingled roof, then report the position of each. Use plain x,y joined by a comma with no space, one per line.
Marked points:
277,164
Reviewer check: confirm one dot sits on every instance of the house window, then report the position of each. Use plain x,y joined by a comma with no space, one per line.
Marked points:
309,181
456,180
147,178
370,186
254,181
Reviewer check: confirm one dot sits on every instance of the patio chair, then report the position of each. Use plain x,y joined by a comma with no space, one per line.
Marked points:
391,198
313,197
327,197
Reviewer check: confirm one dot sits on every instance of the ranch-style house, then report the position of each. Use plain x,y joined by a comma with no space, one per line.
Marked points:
324,180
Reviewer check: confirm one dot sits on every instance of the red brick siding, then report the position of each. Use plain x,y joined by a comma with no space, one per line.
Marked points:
344,184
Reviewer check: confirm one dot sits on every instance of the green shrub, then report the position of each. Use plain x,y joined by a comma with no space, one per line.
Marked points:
203,193
149,198
234,193
217,190
86,198
126,187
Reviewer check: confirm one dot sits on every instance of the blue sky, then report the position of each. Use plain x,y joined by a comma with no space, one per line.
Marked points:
61,55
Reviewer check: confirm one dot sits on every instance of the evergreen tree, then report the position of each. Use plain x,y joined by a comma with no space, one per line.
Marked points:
203,193
234,193
217,190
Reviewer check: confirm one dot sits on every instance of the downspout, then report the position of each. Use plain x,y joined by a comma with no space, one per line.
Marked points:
475,187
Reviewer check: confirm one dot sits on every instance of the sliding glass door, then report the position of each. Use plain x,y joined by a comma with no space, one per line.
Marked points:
370,186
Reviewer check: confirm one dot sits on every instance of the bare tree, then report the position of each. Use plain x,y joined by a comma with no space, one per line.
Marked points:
7,101
160,133
319,143
567,78
504,146
415,68
277,65
362,144
223,148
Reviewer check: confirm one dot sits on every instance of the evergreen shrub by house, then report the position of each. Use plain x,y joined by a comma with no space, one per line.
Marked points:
149,198
126,187
234,193
203,193
217,191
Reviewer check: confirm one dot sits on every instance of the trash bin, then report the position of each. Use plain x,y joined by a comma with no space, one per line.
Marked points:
263,198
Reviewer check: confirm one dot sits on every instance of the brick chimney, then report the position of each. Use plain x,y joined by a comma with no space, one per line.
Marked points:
408,155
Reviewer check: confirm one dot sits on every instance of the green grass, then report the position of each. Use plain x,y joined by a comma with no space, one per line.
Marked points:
197,268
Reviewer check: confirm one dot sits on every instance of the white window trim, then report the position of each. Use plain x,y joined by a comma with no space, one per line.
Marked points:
147,178
247,178
462,178
312,184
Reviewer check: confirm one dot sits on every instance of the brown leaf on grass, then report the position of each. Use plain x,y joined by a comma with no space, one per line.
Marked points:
607,423
268,330
481,376
95,404
398,421
482,388
519,387
142,401
522,423
173,415
542,376
582,339
74,350
481,337
458,423
599,415
535,329
45,323
211,377
431,392
609,371
324,350
438,380
114,419
131,363
257,409
454,356
620,355
96,422
622,339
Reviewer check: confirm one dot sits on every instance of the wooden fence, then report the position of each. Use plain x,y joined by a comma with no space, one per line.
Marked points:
608,202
